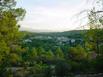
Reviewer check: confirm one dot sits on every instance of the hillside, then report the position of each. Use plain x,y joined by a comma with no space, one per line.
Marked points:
71,33
53,40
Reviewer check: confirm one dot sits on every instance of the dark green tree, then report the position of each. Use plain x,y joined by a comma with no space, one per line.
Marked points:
62,69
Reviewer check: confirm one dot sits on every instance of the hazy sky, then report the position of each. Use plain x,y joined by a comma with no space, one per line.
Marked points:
53,15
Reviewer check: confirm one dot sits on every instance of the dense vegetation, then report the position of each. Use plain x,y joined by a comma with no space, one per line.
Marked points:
51,41
66,54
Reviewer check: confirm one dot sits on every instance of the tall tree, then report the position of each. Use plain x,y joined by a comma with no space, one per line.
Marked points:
9,29
94,34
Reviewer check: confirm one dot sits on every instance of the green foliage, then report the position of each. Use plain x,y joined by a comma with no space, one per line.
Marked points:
94,34
78,53
33,53
14,58
59,53
9,33
49,55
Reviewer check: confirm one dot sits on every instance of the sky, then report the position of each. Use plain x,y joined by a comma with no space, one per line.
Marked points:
53,15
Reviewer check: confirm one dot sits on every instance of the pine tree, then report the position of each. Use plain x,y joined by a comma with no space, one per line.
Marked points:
59,53
9,31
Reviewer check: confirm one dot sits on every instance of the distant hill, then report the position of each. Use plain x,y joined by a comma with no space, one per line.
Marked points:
73,33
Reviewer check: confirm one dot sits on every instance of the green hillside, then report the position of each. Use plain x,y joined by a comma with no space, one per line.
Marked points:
53,40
